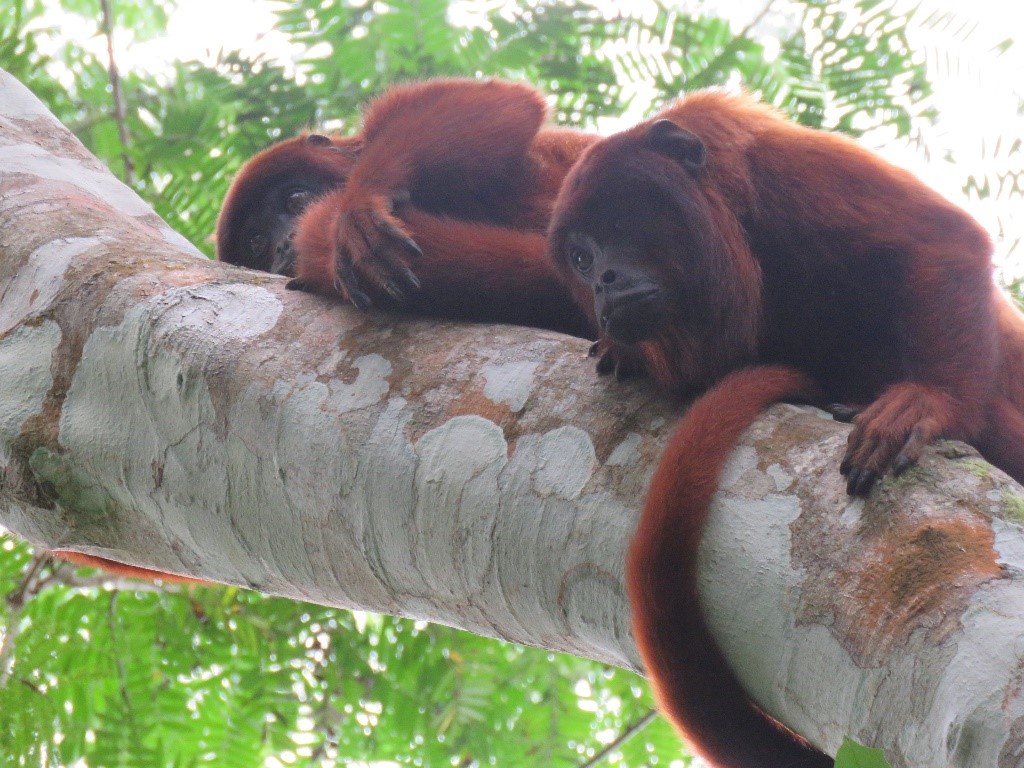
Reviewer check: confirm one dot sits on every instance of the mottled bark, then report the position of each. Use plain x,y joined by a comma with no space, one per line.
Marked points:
171,412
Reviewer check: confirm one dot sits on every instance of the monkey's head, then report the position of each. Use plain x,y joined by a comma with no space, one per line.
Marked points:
650,248
263,205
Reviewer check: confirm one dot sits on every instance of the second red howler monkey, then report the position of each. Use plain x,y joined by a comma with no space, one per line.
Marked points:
439,205
719,236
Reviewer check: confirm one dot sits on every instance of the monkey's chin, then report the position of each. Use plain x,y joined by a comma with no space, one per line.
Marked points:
629,328
630,317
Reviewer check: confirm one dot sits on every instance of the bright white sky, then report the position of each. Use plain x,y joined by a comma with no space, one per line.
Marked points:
978,95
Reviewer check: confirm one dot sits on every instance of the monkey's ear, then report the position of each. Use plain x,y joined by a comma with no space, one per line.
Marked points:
349,149
669,139
346,147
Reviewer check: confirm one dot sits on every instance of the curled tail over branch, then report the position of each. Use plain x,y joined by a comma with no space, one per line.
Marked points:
694,685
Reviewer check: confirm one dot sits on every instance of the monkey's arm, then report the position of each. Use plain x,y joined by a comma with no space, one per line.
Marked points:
456,148
468,270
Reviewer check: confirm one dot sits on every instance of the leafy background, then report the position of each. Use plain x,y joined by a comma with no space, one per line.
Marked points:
96,672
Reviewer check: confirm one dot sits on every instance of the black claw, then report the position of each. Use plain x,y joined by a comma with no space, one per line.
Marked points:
346,279
392,290
605,365
860,482
842,412
844,467
411,246
396,234
594,349
411,280
295,284
852,476
360,299
901,464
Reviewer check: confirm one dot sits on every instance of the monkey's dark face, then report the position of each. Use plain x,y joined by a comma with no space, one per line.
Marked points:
630,300
620,228
265,238
263,206
645,237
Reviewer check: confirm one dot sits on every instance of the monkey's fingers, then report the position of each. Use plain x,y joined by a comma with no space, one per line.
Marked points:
912,449
374,245
347,284
891,434
860,481
605,364
385,267
615,360
857,465
398,237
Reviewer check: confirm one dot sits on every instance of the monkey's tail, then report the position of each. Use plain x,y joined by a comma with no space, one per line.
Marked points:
1002,440
122,569
692,681
1010,322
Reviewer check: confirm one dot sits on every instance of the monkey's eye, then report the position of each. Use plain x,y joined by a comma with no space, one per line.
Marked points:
258,245
296,201
581,258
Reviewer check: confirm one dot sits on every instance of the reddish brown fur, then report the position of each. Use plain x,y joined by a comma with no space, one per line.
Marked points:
692,682
812,252
772,243
246,207
461,168
472,271
122,569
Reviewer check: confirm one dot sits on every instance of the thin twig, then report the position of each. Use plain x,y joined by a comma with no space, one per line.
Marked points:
122,674
701,79
118,95
757,19
15,603
622,738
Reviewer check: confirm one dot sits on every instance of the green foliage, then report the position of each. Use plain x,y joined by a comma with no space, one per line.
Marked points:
210,676
865,60
142,19
20,55
845,65
853,755
205,676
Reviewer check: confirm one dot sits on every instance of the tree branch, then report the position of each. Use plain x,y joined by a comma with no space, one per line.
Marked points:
179,414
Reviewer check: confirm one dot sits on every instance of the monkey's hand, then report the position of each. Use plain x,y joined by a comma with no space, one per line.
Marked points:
373,249
891,433
357,248
616,359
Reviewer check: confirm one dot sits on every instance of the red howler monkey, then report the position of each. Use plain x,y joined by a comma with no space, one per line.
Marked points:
439,206
719,235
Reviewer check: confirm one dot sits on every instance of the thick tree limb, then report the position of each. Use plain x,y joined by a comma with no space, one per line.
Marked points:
167,411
